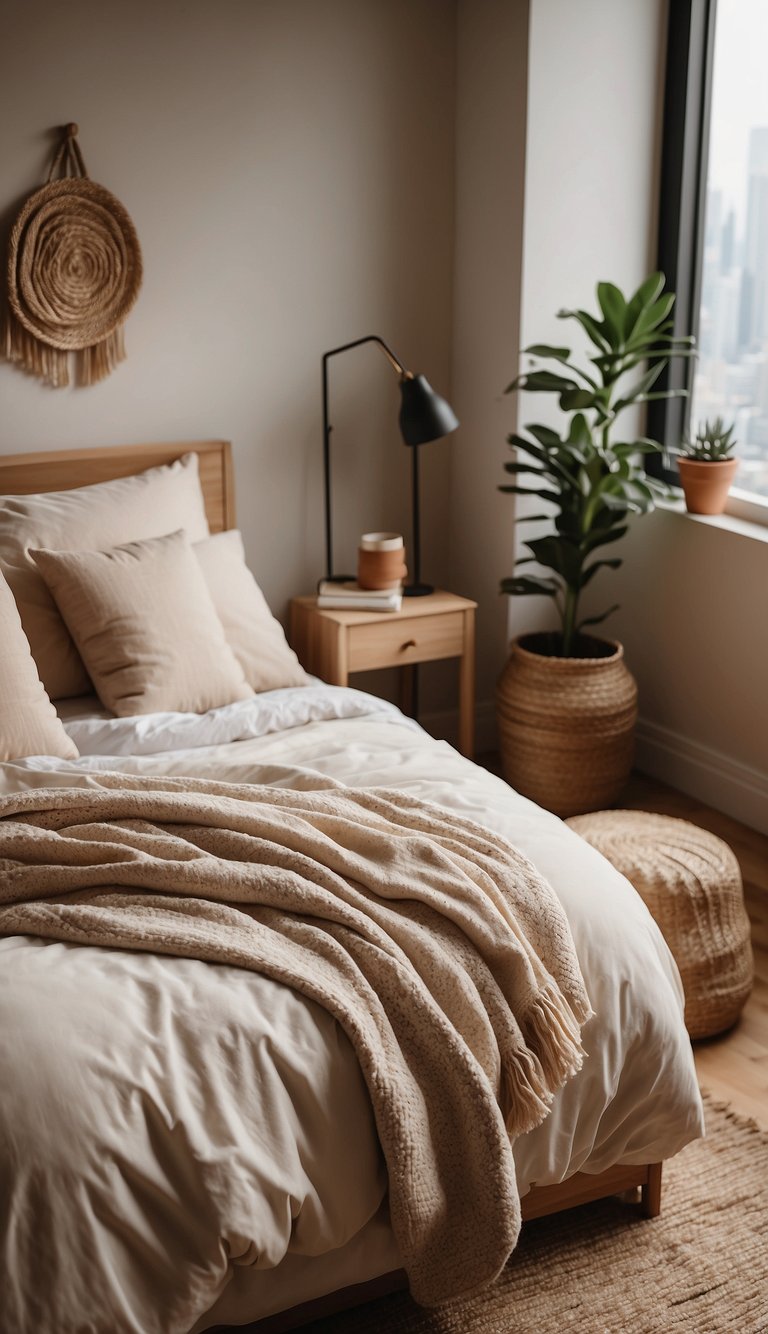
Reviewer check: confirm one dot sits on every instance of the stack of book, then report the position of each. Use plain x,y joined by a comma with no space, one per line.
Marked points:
350,596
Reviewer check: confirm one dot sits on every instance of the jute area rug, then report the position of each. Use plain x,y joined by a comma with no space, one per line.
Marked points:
701,1267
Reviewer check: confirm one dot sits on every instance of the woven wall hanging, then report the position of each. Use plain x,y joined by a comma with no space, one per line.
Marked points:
74,272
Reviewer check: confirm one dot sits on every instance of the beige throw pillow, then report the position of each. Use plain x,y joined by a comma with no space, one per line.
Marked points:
154,502
143,621
255,637
28,721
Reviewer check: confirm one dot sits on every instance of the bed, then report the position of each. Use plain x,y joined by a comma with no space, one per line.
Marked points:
197,1141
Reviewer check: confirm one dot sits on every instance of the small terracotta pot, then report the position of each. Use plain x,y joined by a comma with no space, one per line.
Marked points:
706,484
380,560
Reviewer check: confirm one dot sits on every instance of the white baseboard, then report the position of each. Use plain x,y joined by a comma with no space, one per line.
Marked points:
444,724
716,779
729,786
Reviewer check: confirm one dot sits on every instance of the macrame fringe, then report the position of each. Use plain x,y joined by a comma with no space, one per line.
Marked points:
19,346
97,362
51,364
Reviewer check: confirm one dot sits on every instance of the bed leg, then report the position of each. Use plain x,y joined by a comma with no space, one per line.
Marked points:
651,1192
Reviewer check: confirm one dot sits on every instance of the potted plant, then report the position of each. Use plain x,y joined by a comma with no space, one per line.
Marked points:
566,703
707,468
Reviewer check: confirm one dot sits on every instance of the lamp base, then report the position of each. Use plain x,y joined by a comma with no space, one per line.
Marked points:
417,590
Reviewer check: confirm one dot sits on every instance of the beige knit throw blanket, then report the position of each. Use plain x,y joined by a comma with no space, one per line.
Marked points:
441,952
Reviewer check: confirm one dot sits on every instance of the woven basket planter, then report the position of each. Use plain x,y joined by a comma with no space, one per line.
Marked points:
691,883
566,725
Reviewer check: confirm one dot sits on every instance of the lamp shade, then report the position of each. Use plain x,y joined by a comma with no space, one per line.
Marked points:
424,415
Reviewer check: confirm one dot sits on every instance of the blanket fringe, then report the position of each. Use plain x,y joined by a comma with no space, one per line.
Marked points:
553,1053
552,1031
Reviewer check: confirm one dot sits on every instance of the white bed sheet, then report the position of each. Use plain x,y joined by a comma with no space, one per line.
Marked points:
210,1123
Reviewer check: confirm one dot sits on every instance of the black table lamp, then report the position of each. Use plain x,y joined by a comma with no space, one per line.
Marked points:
424,416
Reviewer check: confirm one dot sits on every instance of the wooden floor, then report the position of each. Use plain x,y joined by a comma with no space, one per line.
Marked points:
735,1065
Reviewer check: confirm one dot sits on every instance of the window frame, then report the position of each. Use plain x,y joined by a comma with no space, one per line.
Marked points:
682,210
682,203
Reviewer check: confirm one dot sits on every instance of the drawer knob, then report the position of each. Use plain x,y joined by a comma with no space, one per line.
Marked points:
409,643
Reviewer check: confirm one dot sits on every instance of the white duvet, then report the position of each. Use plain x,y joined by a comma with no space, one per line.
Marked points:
131,1085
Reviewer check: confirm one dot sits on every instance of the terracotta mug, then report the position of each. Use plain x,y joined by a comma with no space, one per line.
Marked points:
380,560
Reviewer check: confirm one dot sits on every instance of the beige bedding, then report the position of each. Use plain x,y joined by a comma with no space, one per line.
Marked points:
445,957
204,1132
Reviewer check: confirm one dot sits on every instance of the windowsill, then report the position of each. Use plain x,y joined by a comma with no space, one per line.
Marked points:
729,523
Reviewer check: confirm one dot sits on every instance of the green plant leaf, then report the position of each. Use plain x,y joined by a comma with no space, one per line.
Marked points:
614,308
614,502
646,294
524,467
558,554
545,436
574,399
644,445
543,493
661,393
547,382
579,432
601,537
593,328
544,350
592,570
650,318
597,620
640,387
548,462
528,585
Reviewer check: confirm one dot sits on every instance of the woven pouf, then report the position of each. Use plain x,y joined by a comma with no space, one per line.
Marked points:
691,882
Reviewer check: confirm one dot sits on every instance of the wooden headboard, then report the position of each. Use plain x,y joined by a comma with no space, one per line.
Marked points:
63,469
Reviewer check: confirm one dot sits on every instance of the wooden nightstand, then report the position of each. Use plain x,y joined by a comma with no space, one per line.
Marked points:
331,644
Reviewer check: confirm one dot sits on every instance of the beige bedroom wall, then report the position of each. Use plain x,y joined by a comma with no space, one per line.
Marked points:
492,61
557,118
595,74
288,165
694,622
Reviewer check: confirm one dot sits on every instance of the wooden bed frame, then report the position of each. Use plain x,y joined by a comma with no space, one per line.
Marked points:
62,470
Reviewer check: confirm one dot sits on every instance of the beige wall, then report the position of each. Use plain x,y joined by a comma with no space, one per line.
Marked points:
590,192
492,60
694,621
289,168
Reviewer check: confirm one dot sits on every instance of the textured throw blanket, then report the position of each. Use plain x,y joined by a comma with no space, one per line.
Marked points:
442,953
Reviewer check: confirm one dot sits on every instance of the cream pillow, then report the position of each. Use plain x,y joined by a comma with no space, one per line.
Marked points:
29,724
157,501
145,625
255,637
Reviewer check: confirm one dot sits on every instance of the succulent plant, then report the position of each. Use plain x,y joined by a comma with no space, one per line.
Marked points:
713,443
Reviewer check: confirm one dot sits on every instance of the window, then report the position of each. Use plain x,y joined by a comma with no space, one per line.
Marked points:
713,232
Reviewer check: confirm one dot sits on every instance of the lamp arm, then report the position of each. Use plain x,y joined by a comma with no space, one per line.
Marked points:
369,338
327,428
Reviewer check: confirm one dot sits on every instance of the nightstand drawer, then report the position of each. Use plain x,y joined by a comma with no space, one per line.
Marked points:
405,639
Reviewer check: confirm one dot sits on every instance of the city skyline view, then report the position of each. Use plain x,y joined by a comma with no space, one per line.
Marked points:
731,375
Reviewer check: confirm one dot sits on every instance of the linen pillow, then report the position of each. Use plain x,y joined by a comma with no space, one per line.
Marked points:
28,721
255,637
154,502
144,623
